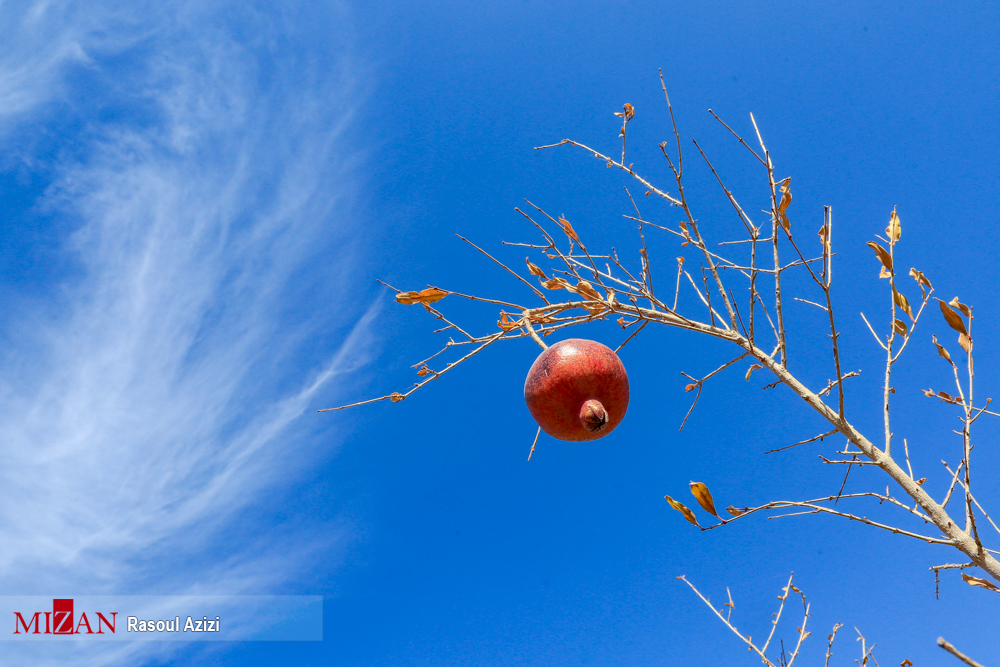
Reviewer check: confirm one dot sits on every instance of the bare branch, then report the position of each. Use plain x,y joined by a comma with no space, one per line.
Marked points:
958,654
537,433
829,645
745,640
819,437
506,268
610,162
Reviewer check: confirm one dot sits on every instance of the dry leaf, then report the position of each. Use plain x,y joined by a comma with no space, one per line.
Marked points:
953,319
732,510
899,326
752,369
628,114
920,278
586,290
534,270
906,663
893,231
955,303
690,387
902,303
556,283
688,514
824,237
704,498
568,228
943,352
786,200
882,273
920,482
396,397
429,295
965,342
506,323
883,256
982,583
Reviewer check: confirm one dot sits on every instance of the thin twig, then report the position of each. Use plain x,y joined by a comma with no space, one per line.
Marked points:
506,268
537,433
819,437
958,654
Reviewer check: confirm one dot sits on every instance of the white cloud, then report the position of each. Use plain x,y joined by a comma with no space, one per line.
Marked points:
162,393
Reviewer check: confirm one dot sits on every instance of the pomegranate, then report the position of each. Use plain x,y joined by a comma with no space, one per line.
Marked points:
577,390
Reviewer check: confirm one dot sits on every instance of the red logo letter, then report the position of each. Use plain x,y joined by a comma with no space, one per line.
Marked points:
111,625
62,616
26,626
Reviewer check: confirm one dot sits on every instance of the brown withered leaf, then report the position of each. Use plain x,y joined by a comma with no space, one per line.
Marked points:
920,482
899,326
690,387
943,395
920,278
982,583
942,352
953,319
556,283
688,514
965,342
824,237
906,663
506,323
882,273
424,370
429,295
735,512
396,397
902,303
534,270
955,303
882,254
752,369
568,228
704,498
893,231
621,322
786,200
586,290
628,113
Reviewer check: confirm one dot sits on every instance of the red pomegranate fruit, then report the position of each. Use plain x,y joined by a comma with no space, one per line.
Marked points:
577,390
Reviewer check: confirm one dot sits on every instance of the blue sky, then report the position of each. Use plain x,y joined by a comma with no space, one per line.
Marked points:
200,196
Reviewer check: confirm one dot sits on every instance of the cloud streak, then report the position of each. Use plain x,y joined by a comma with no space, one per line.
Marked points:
160,398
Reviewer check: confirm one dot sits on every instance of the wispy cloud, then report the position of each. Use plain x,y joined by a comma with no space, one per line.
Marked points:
162,392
